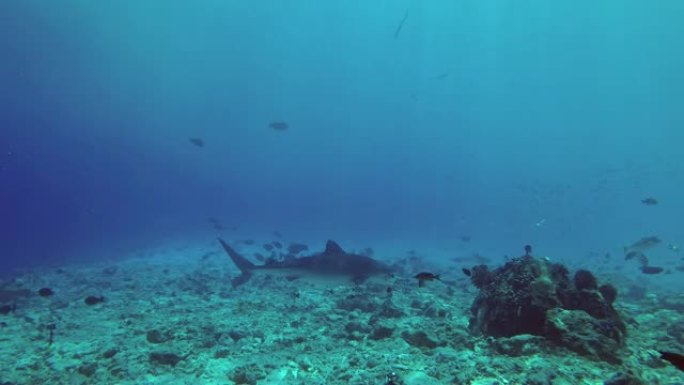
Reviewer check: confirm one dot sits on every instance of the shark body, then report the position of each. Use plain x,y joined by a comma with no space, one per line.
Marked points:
333,261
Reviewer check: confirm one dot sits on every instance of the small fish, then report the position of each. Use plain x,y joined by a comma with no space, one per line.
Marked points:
197,142
651,269
528,250
644,243
279,126
425,276
673,247
675,359
638,255
467,272
92,300
45,292
649,201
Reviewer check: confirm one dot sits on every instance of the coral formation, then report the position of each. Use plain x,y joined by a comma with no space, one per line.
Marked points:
534,296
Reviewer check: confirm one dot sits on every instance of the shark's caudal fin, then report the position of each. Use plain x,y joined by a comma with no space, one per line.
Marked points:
241,262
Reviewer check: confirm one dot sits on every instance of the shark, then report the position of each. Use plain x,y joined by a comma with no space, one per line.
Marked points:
331,262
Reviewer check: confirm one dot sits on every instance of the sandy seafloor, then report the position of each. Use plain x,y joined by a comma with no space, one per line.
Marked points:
170,316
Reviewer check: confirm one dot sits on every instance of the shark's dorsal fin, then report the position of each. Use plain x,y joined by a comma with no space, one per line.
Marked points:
332,248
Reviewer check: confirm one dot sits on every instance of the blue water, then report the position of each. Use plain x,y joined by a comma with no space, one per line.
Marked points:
510,123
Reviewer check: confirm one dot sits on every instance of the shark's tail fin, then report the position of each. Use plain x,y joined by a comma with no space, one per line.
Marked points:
241,262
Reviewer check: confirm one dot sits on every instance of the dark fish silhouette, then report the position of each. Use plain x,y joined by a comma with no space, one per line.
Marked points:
45,292
197,142
279,126
93,300
528,250
401,25
649,201
638,256
467,272
643,244
651,269
333,261
425,276
675,359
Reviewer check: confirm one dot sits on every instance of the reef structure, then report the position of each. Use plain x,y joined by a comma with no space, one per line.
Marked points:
530,295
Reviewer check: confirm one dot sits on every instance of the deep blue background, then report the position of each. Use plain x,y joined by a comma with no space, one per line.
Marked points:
480,119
